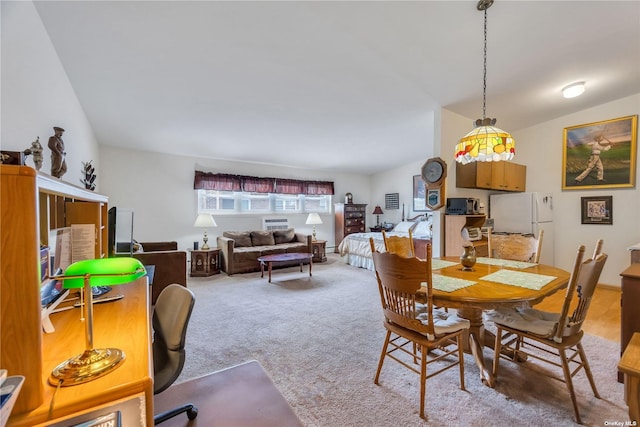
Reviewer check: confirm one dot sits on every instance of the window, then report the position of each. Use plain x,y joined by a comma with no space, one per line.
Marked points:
220,193
217,202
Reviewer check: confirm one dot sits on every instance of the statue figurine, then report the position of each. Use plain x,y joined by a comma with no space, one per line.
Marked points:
56,145
36,150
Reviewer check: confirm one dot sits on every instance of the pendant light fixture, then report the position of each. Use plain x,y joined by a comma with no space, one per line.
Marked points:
486,143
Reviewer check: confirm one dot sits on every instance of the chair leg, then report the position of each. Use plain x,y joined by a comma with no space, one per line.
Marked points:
189,408
569,383
587,369
461,360
496,352
423,379
382,356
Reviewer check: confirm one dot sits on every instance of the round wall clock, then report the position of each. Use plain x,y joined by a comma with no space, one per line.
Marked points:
434,171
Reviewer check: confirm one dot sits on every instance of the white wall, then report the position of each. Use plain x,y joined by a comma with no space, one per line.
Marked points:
159,188
37,95
540,148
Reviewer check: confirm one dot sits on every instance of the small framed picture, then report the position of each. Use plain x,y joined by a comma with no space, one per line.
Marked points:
597,210
419,194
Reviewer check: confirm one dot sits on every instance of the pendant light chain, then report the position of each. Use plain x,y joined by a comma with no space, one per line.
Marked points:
484,83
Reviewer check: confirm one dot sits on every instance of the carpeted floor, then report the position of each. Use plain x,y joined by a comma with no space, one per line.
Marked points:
319,339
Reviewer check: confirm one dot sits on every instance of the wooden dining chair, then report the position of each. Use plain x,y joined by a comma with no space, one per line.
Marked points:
516,247
544,337
401,245
416,333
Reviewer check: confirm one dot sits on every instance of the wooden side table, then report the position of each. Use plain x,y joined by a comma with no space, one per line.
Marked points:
630,365
205,262
319,252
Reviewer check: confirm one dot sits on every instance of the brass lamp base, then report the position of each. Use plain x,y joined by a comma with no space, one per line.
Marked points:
88,366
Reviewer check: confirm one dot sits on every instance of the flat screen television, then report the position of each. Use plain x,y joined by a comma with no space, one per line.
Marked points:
120,231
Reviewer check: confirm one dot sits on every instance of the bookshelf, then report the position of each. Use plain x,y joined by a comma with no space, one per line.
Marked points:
32,204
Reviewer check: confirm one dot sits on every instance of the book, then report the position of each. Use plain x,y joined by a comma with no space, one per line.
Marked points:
9,391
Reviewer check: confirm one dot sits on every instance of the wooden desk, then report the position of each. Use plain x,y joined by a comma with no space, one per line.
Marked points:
122,324
487,295
630,366
240,396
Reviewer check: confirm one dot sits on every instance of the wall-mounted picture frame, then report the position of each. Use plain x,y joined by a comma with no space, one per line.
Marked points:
597,210
419,194
600,154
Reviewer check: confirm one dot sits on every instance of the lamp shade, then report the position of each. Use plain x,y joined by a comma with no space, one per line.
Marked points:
377,210
314,218
486,143
103,272
205,220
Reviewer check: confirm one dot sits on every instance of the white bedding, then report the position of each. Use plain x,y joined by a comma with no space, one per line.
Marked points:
355,248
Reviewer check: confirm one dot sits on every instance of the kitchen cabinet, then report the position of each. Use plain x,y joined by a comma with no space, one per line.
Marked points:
503,176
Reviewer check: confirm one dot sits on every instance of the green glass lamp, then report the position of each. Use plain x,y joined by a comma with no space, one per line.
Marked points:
94,362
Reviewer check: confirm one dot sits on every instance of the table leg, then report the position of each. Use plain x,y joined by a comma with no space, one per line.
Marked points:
270,264
261,269
310,264
478,338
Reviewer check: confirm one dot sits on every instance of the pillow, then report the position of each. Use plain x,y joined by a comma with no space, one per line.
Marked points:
262,238
284,236
404,226
423,228
241,238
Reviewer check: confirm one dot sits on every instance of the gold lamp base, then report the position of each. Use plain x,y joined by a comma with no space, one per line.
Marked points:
88,366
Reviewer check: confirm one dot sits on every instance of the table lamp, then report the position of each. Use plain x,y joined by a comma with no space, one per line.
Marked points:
94,362
314,219
377,211
205,221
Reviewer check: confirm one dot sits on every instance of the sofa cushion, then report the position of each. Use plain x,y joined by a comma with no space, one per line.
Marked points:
262,238
284,236
242,239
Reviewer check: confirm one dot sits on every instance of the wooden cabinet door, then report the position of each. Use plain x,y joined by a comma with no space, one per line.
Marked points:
515,176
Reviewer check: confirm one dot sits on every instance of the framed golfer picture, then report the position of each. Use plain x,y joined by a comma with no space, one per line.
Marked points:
600,155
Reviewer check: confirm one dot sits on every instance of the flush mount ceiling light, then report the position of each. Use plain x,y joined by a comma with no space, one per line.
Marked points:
486,143
573,90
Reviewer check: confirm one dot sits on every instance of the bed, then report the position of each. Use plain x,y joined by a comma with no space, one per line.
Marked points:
356,251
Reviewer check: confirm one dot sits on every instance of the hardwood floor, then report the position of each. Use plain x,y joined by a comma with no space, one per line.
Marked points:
603,319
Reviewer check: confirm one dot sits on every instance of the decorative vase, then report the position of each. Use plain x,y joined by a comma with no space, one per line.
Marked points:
468,258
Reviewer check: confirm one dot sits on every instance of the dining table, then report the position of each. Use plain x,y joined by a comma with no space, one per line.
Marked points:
489,284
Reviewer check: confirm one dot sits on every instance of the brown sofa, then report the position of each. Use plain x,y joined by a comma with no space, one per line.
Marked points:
170,265
239,250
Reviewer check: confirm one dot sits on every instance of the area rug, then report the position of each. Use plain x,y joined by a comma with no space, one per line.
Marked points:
319,338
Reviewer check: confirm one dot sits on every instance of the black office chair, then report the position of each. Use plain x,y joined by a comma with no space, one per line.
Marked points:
170,320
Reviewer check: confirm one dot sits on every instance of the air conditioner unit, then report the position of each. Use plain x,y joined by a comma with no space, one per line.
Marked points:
271,224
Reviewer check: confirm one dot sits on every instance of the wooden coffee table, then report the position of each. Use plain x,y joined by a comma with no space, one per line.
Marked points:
282,258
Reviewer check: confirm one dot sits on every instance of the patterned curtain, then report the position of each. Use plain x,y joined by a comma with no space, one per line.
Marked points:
216,181
289,186
252,184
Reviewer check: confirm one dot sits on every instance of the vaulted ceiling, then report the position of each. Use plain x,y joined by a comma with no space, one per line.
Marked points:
332,85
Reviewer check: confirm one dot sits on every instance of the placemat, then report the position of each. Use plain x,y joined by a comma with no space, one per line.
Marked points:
505,262
518,278
449,284
439,263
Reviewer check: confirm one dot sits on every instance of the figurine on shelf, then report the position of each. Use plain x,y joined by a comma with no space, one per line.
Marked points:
56,145
89,175
36,151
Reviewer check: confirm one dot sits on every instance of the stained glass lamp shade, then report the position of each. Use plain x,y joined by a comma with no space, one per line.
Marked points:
94,363
485,143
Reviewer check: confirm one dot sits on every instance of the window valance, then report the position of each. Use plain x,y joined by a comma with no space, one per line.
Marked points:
228,182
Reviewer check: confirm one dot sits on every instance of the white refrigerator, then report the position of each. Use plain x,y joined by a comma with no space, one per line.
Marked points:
525,213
